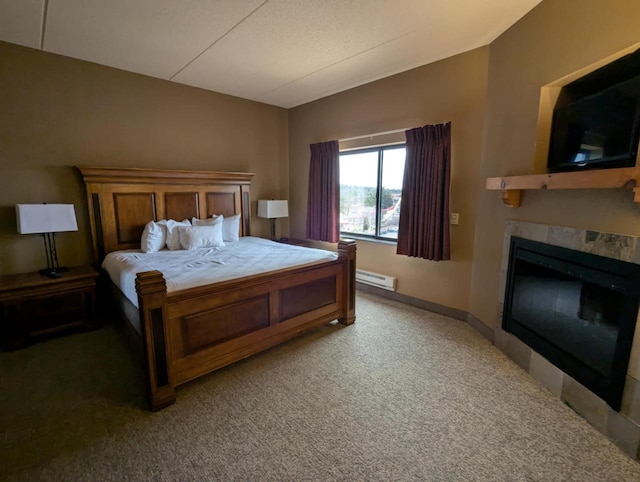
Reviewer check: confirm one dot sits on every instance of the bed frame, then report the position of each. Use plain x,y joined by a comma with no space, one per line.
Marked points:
192,332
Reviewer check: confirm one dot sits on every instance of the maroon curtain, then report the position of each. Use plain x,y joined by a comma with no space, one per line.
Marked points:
424,214
323,203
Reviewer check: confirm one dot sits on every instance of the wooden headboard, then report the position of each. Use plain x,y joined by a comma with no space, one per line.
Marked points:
122,200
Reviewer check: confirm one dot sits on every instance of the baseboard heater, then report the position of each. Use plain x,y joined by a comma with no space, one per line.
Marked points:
375,279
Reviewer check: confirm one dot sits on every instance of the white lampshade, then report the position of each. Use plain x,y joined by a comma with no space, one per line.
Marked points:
273,209
45,218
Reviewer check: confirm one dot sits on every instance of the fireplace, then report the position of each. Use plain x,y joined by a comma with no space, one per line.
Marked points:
576,309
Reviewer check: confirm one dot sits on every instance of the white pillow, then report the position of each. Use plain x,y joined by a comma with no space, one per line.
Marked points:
230,227
154,236
203,222
195,237
173,235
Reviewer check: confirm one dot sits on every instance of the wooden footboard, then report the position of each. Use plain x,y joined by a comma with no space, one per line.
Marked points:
192,332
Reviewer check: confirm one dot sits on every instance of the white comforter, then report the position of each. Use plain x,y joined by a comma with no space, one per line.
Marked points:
187,269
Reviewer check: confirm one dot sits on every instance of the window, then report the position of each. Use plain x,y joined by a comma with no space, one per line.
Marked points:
371,191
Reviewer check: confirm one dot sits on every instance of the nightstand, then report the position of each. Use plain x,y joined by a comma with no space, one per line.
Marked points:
33,306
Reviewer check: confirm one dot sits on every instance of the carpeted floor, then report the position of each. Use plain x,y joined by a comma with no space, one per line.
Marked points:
403,394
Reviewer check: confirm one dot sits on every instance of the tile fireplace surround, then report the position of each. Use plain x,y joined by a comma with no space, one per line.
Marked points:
622,428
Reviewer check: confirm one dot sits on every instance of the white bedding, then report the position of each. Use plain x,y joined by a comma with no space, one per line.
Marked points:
187,269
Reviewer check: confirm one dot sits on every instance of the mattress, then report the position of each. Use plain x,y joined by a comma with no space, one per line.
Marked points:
184,269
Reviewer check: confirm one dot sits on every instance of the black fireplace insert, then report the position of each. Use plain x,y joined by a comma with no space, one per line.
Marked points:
576,309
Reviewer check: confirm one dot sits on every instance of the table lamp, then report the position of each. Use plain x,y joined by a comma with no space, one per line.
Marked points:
272,209
47,220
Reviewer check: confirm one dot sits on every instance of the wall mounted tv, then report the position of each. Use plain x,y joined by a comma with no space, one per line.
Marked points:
596,121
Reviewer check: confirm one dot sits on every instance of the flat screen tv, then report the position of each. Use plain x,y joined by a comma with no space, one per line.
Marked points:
597,131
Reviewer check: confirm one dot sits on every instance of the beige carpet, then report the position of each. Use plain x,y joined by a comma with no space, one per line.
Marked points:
403,394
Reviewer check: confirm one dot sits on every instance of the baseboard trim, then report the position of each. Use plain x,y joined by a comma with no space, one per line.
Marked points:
412,301
480,327
461,315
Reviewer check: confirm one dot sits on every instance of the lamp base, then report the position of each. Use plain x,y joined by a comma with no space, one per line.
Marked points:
53,272
273,229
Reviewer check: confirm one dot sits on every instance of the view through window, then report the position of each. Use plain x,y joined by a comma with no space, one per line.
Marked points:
371,191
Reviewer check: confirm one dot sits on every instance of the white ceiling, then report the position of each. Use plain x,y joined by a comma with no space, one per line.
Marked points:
281,52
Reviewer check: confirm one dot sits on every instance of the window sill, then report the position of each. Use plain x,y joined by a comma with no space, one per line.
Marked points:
390,242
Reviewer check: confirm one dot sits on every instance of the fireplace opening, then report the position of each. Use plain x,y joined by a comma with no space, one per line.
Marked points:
576,309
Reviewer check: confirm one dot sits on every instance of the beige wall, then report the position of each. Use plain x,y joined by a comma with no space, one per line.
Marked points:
554,40
57,112
449,90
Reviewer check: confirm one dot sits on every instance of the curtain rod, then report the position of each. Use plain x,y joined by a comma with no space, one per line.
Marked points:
377,134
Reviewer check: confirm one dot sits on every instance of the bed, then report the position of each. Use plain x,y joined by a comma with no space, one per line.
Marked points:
187,333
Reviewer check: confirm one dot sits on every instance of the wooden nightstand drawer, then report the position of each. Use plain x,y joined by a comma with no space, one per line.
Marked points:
32,305
57,304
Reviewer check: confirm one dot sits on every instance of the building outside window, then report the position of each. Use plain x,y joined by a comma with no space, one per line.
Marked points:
371,191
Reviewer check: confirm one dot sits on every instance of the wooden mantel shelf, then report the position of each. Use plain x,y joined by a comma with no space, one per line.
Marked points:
512,186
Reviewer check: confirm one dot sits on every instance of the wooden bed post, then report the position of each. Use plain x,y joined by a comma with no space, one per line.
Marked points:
347,250
152,298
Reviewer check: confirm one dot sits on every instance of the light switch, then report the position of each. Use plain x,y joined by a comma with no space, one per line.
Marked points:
455,218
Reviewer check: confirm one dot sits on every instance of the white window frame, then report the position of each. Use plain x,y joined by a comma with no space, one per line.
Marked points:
380,150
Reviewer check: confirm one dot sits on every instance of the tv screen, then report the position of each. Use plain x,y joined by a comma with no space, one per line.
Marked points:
597,131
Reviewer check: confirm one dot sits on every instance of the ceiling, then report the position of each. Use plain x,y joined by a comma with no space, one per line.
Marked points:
280,52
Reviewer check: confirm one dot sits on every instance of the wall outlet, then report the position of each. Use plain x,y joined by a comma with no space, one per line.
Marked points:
455,218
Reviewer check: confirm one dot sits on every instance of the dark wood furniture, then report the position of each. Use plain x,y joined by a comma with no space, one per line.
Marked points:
192,332
33,306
